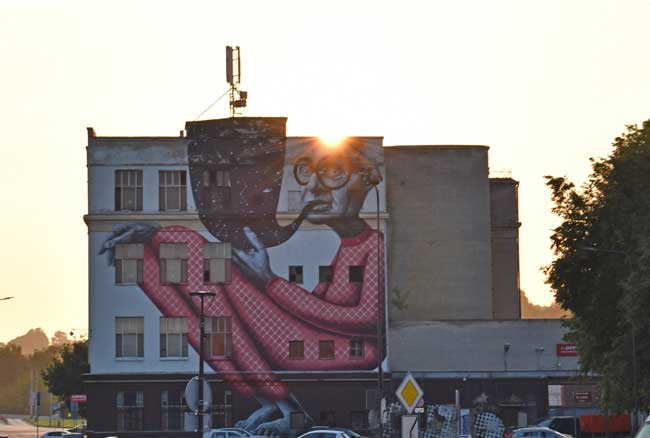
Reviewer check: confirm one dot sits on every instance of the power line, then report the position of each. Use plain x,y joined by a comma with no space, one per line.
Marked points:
212,104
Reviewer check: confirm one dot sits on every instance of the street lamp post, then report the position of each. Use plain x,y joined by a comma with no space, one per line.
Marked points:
199,411
380,325
628,260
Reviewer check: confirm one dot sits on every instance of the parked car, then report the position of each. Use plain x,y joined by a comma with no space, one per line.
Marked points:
565,425
330,432
644,432
53,433
538,432
229,432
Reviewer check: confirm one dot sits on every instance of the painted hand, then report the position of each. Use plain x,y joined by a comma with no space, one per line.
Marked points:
132,232
254,263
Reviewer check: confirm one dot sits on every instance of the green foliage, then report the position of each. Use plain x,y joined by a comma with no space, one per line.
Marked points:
15,379
601,270
399,299
64,375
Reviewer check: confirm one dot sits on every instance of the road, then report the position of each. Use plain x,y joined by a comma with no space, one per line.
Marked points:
17,428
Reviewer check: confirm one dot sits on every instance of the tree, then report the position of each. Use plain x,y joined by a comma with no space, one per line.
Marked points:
33,340
59,338
601,270
64,375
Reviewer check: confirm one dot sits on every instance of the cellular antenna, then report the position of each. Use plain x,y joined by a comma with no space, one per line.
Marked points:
233,77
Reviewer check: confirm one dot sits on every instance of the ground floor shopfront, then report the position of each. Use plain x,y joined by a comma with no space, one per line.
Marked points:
153,405
147,405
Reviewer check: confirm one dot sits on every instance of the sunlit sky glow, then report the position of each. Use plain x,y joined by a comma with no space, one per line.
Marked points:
545,84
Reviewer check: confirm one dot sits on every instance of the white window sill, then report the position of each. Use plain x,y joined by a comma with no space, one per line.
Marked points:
129,359
172,359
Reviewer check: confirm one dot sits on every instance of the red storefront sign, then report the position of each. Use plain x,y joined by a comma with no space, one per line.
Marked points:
566,349
79,398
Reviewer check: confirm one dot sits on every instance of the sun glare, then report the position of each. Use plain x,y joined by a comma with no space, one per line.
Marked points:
332,140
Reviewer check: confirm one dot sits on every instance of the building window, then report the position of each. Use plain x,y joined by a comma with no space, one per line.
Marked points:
218,336
173,337
217,263
172,409
173,262
130,410
217,183
294,200
326,349
325,274
129,337
128,190
296,349
172,190
129,258
297,420
328,418
359,419
222,413
295,274
356,348
356,274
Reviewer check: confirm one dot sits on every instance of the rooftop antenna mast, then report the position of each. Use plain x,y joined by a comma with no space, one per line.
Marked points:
233,77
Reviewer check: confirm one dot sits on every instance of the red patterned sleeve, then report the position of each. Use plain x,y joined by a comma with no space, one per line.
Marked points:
342,307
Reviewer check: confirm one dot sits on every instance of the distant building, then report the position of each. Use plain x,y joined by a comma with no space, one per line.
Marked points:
284,231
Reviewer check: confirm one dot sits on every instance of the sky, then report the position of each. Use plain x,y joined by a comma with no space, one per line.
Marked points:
546,85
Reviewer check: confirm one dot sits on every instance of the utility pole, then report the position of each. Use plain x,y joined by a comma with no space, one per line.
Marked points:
199,411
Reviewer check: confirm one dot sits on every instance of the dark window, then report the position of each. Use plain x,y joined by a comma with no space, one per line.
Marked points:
130,410
297,420
325,274
326,349
172,409
172,190
173,262
218,336
128,190
356,274
359,419
222,412
296,350
356,348
295,274
328,418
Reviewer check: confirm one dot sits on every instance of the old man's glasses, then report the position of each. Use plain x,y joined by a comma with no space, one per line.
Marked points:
332,172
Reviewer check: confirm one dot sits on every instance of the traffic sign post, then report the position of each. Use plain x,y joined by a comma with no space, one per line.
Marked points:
409,393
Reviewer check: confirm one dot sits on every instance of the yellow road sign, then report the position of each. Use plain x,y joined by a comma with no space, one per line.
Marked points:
409,392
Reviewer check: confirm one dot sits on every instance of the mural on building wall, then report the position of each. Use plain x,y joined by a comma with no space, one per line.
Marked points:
236,170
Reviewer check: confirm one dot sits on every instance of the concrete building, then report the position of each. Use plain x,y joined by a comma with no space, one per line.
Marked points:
283,230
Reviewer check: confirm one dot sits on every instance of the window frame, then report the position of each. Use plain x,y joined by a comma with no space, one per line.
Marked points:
183,341
166,182
120,340
226,333
164,269
121,263
354,271
322,349
357,348
295,346
128,179
325,272
296,274
207,260
127,412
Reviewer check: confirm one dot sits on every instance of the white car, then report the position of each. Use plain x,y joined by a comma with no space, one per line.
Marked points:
229,432
327,433
538,432
53,433
644,432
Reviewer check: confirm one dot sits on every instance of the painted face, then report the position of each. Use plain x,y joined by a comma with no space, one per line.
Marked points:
334,187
